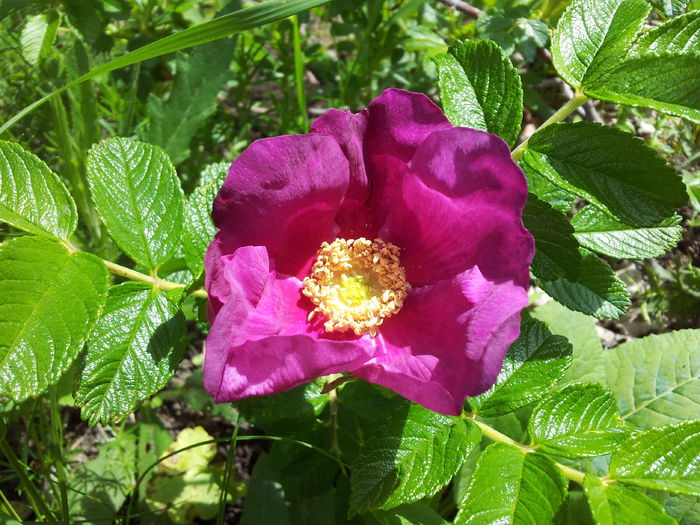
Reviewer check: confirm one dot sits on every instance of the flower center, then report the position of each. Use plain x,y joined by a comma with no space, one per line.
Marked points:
356,284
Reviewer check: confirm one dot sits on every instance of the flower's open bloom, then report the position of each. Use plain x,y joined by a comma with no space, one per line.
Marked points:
387,243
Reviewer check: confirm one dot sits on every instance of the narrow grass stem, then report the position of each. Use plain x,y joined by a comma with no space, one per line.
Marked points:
299,72
563,112
226,482
9,507
57,438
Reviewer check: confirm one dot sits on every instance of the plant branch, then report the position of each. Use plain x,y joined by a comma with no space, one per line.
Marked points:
464,7
563,112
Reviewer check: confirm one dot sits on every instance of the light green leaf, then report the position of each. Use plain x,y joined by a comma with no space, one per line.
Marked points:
589,360
663,458
597,291
135,350
556,249
671,7
32,197
537,184
510,486
611,169
601,233
138,195
38,36
579,420
480,88
199,229
680,35
49,302
613,505
412,456
201,74
593,36
532,366
656,380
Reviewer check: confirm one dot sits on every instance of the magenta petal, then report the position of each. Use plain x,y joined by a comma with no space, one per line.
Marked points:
457,205
283,193
260,341
448,341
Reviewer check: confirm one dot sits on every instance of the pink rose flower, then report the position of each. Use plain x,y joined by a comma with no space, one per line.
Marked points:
387,243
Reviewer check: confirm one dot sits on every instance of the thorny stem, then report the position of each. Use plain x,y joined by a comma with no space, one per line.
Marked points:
495,435
563,112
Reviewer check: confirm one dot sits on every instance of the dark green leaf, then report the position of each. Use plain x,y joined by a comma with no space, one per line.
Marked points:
510,486
574,511
412,456
414,514
611,169
597,291
656,380
480,88
138,195
613,505
135,350
579,420
556,249
663,458
32,197
200,76
685,509
265,502
533,364
601,233
593,36
49,302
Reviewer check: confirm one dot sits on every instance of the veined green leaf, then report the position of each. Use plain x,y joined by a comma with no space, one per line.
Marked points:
138,195
656,380
614,505
38,35
593,36
480,88
412,456
663,458
49,302
679,35
597,291
611,169
223,26
579,420
670,7
556,249
532,366
601,233
510,486
32,197
418,513
135,350
201,74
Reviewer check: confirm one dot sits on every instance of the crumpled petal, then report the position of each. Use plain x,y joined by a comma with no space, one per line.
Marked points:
260,341
448,341
459,204
283,193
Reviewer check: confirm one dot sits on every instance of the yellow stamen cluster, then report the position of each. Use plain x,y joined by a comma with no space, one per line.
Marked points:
356,284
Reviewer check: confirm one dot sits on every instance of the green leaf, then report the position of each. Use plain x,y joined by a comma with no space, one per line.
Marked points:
574,511
510,486
532,366
134,352
656,380
613,505
38,36
685,509
537,184
223,26
32,197
100,485
49,302
556,249
265,502
579,420
200,76
679,35
670,7
663,458
414,514
138,195
593,36
412,456
601,233
597,291
589,360
480,88
199,229
611,169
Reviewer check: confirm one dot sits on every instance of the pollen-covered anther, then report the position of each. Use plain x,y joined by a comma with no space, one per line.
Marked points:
356,284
